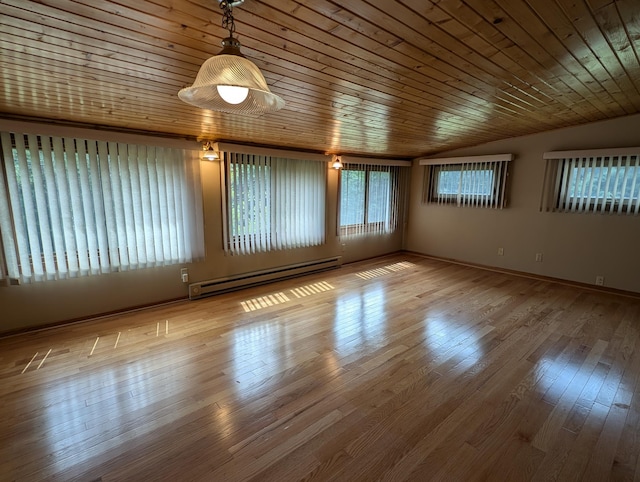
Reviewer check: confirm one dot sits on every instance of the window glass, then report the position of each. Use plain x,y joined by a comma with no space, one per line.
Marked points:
604,182
249,198
352,197
473,184
370,198
378,202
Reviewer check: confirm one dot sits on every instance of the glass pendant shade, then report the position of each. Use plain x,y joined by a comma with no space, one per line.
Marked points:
211,155
231,69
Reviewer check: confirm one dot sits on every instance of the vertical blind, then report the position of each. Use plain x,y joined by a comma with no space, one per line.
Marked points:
468,184
599,181
75,207
371,198
273,203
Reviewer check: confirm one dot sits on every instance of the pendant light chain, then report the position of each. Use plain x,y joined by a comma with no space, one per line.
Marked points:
227,17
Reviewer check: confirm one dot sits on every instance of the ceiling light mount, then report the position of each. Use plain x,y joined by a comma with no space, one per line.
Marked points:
227,15
229,82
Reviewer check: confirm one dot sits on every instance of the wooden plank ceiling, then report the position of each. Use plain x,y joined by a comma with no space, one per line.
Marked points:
392,78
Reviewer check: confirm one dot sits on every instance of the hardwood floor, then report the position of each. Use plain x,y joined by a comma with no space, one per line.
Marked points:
399,368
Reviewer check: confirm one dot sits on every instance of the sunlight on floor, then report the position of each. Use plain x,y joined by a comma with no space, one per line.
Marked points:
260,302
374,273
264,301
311,289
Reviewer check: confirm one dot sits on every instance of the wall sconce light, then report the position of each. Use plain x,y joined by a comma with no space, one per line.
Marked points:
336,163
210,152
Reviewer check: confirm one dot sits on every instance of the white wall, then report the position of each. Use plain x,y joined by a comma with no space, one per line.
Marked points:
38,304
576,247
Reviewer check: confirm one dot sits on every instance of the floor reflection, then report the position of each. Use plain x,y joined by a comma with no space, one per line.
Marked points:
257,349
360,319
446,340
579,374
89,412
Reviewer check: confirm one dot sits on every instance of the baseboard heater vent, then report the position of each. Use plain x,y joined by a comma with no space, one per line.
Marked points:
232,283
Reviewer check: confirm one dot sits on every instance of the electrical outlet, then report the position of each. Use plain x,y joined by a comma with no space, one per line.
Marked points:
600,280
500,251
184,275
539,257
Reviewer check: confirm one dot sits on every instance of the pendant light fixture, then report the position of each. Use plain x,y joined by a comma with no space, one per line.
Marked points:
229,82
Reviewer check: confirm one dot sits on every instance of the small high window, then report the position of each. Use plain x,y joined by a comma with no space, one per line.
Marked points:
603,181
478,181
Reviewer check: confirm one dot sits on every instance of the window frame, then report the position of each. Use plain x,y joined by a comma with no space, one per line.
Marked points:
498,165
366,225
566,190
451,198
397,193
277,237
40,246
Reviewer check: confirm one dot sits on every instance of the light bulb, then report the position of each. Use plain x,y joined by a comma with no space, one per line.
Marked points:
211,156
232,94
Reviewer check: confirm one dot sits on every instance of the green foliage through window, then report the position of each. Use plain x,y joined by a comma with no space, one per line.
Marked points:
598,181
273,203
472,184
370,199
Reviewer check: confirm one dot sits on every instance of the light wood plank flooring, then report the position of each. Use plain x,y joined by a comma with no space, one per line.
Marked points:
398,368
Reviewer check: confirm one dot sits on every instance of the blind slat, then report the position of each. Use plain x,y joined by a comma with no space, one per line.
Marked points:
28,227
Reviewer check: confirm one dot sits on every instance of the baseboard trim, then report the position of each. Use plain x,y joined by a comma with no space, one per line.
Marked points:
88,319
524,274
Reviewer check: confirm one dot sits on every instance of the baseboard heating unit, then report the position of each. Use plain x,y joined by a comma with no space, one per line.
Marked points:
245,280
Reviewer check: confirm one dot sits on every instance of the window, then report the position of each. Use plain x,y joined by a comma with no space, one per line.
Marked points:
273,203
478,181
603,181
370,201
74,207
